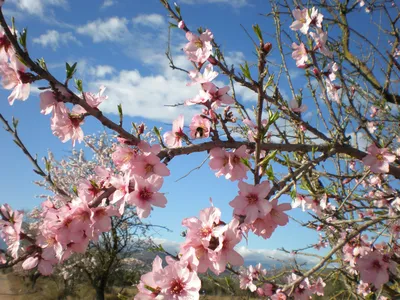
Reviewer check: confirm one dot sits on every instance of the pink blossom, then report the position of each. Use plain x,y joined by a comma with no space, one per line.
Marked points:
66,126
124,157
294,106
332,90
320,38
208,75
45,267
363,288
94,100
318,287
174,138
279,295
146,194
177,282
218,96
181,24
231,237
199,127
373,269
148,165
14,78
299,54
147,286
246,280
6,49
302,20
251,201
303,290
266,290
378,159
49,103
277,214
199,47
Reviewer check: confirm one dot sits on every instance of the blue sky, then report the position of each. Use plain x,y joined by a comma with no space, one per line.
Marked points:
121,44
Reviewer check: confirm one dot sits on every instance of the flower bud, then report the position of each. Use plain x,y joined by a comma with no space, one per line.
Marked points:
267,47
181,24
212,61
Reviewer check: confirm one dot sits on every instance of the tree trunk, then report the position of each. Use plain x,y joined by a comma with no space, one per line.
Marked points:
100,292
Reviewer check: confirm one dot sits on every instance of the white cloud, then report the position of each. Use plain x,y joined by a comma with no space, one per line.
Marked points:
146,96
37,7
112,29
151,20
53,39
101,71
108,3
233,3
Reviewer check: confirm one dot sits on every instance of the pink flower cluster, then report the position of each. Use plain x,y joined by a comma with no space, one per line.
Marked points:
10,228
143,178
212,240
229,164
177,281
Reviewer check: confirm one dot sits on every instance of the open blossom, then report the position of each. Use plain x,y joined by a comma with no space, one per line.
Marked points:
332,90
174,138
207,76
147,286
199,127
320,38
229,163
146,194
302,20
199,47
318,287
294,106
373,268
378,159
45,267
14,78
174,282
10,230
251,201
67,126
299,54
124,157
149,164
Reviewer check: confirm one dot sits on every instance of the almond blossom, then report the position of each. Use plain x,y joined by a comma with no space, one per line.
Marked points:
320,38
302,20
251,201
146,195
207,76
299,54
229,163
199,47
199,127
14,78
378,159
174,138
373,268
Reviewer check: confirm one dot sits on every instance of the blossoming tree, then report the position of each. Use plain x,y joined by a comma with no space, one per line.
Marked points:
347,183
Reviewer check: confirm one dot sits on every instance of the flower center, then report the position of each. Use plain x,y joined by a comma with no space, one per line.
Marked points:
145,194
379,157
205,231
376,265
149,168
252,198
199,44
177,287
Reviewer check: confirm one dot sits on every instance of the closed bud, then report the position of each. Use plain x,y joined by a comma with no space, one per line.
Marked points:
267,47
212,61
181,24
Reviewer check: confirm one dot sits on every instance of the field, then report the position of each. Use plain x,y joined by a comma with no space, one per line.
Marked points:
13,287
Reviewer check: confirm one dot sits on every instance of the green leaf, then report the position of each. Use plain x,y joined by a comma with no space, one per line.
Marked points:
15,122
120,113
172,25
70,70
177,8
245,70
79,85
22,37
246,162
257,31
